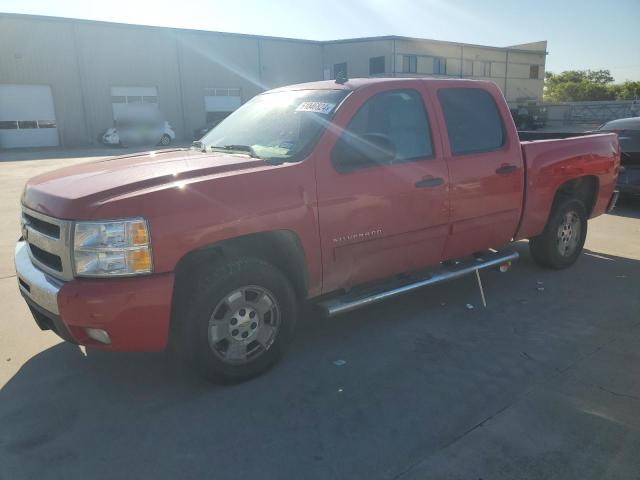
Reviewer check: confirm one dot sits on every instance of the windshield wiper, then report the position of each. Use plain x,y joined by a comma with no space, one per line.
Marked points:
237,148
252,153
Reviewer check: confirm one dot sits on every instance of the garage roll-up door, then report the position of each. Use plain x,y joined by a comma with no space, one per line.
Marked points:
133,101
220,102
27,117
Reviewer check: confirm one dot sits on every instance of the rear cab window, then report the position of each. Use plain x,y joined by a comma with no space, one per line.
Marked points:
473,121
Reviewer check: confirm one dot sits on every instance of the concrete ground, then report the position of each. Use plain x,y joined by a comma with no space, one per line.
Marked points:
542,384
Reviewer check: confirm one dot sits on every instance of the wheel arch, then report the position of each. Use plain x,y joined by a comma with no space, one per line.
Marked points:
583,188
281,248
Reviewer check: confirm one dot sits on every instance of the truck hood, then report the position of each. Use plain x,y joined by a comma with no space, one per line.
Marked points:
75,192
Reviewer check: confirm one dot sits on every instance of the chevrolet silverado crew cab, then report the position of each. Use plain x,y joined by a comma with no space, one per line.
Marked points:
336,193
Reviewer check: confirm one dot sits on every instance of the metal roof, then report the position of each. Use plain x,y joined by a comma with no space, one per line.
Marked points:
266,37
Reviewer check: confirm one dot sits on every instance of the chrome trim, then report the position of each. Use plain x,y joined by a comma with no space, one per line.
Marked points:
338,305
43,289
56,246
613,200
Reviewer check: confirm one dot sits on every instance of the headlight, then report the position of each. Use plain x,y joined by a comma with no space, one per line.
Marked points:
111,248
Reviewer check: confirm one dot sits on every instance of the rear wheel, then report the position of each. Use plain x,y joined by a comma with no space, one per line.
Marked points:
562,240
239,321
165,140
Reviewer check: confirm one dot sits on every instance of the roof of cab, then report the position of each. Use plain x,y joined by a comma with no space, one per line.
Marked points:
357,83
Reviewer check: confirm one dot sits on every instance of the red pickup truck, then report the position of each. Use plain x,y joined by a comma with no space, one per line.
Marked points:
335,193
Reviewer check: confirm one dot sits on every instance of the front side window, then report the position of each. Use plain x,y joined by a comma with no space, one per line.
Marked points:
390,127
281,126
473,120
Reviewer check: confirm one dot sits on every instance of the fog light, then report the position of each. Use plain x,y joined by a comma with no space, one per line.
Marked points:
98,335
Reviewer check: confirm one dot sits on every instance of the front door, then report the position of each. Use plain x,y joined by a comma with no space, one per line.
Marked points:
381,213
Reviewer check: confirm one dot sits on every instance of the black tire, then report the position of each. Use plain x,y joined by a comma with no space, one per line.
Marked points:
545,248
165,140
214,288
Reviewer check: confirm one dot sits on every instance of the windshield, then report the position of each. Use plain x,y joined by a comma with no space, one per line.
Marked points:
280,126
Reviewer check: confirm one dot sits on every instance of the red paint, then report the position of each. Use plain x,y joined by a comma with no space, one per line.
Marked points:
135,311
193,199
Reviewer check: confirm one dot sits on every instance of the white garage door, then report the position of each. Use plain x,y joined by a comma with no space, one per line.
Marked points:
27,117
220,102
133,101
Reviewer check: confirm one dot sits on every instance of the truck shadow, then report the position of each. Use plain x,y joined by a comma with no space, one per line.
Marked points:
419,371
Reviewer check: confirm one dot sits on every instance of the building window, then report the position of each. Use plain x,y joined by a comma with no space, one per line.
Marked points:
376,65
340,70
26,124
222,91
487,69
440,66
409,63
467,67
134,99
534,71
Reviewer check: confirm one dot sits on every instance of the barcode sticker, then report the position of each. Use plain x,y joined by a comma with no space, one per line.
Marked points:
316,107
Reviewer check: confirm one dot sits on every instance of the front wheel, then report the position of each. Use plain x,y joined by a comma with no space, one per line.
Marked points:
165,140
562,240
239,320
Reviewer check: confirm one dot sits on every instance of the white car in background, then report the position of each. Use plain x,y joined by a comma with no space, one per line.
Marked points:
139,131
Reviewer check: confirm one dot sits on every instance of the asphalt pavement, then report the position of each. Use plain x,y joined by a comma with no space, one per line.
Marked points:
544,383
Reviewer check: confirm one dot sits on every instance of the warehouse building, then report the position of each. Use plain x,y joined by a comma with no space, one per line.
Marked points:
66,81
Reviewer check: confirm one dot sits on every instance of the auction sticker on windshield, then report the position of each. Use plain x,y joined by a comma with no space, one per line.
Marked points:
316,107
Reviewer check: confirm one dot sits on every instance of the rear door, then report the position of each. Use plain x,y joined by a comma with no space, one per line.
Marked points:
485,167
379,219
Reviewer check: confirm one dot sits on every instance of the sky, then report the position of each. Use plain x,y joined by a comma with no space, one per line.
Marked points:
602,34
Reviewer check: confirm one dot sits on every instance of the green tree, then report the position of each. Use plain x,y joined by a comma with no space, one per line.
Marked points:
578,86
628,90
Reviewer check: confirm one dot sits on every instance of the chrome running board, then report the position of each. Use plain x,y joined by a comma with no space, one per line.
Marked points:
446,271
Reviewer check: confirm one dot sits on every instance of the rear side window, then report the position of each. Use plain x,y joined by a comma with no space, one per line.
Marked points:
473,121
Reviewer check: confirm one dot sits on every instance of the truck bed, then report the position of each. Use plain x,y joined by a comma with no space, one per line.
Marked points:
551,163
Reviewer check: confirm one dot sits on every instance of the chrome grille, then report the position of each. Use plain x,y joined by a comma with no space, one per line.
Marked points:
49,241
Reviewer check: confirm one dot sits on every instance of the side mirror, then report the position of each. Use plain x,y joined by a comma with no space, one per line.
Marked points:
361,151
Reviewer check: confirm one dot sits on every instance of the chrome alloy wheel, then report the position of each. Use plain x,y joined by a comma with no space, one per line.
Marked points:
244,324
568,234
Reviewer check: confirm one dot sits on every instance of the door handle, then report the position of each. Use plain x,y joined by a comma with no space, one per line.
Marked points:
429,182
506,169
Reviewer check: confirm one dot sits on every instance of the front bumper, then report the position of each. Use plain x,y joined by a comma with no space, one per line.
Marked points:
134,311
